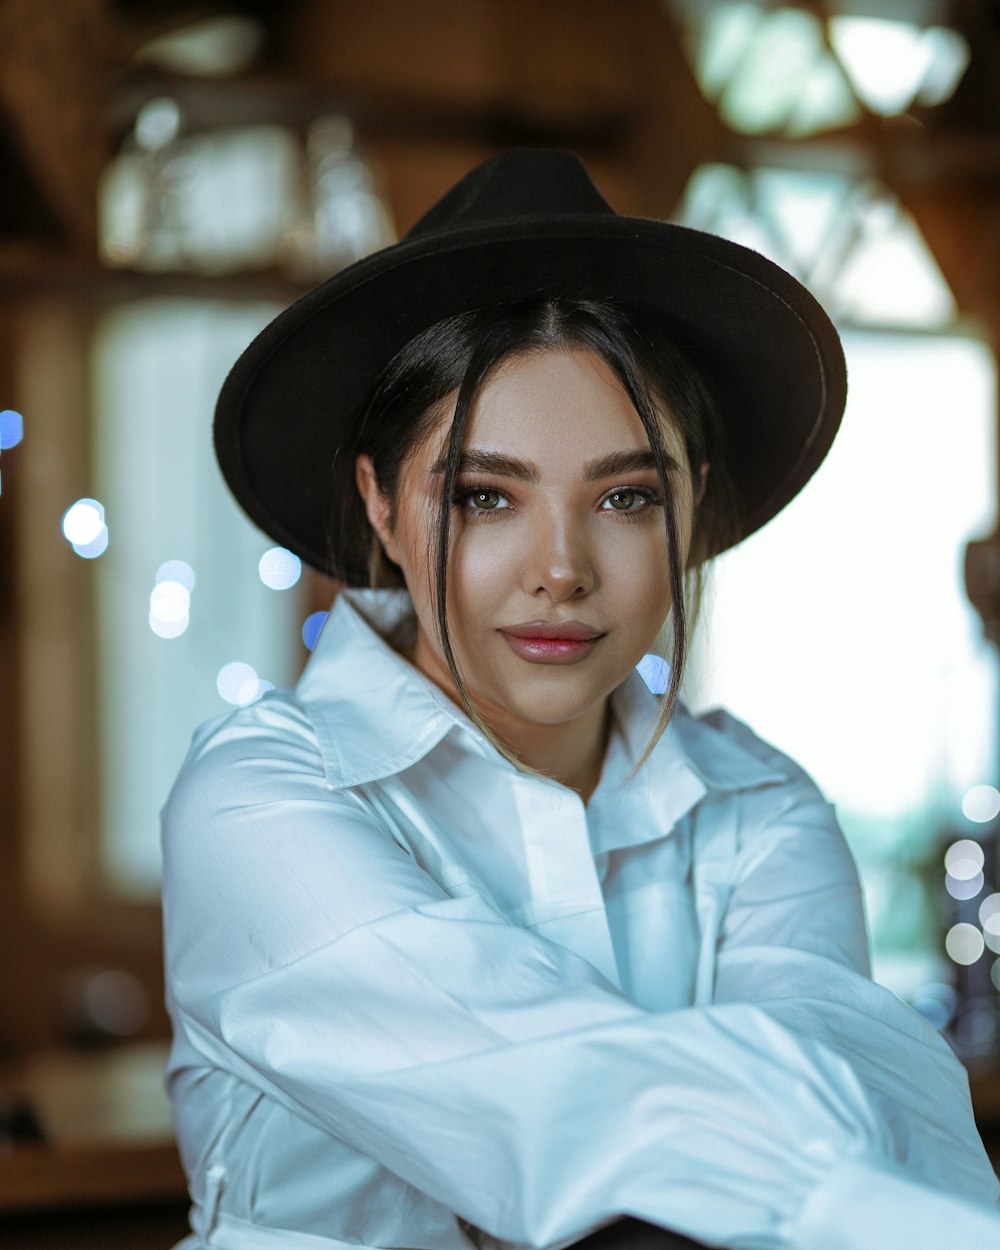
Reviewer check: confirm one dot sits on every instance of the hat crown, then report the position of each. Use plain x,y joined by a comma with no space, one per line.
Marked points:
522,182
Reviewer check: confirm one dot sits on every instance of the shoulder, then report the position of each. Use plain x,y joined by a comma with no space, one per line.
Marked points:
730,756
774,800
275,727
263,860
252,803
740,735
255,755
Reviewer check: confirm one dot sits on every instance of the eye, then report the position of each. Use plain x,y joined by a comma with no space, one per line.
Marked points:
629,499
488,500
480,500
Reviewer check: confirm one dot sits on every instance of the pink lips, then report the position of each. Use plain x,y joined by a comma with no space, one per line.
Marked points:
572,631
539,642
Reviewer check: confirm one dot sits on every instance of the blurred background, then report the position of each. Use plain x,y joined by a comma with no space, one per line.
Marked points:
175,173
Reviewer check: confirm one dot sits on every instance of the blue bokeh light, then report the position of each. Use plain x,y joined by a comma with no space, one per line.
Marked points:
937,1003
11,429
311,628
655,672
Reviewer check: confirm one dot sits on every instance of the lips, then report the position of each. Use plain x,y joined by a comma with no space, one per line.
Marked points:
560,631
550,642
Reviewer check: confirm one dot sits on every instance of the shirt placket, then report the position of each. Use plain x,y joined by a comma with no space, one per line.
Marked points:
566,901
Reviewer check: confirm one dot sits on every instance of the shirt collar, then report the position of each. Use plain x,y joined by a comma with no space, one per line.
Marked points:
376,715
691,759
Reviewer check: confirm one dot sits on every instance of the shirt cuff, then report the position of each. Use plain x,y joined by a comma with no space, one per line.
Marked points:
863,1205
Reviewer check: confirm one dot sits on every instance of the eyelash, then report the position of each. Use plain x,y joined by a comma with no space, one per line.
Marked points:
462,497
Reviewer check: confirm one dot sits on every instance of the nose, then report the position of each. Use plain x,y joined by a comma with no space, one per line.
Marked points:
559,562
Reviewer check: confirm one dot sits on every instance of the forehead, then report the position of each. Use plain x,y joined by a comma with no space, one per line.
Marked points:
566,402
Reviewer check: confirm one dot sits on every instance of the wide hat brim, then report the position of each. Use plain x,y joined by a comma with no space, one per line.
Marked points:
768,351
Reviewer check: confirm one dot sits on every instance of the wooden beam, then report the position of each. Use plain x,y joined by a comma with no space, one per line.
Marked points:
962,228
676,128
53,66
554,64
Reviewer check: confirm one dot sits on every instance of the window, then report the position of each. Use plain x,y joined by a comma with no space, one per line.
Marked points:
180,592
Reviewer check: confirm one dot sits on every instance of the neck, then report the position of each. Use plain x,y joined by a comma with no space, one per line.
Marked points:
571,754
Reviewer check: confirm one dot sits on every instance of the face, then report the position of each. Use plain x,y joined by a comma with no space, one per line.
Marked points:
557,576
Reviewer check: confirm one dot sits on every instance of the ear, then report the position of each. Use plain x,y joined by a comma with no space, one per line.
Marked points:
702,483
377,505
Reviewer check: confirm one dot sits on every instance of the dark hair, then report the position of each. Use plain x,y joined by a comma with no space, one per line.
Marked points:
455,357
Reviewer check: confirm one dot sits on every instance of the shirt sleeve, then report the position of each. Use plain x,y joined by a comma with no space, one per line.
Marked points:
495,1071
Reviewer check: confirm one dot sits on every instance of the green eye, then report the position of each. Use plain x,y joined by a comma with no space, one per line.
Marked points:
623,500
480,500
631,502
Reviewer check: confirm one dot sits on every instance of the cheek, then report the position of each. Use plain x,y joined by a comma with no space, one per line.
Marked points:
483,572
486,550
637,549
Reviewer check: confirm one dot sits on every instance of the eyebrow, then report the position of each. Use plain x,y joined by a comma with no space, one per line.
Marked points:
499,465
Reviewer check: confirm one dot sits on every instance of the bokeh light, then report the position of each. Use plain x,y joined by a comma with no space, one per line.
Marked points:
238,683
989,912
964,887
279,569
655,672
964,859
91,550
169,607
84,528
11,429
116,1002
976,1030
168,629
157,124
311,628
170,599
989,918
964,943
937,1003
82,522
981,804
177,571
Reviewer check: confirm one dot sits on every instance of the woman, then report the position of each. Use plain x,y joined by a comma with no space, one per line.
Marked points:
471,938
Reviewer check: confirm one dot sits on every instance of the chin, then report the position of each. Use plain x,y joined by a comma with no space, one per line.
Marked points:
546,707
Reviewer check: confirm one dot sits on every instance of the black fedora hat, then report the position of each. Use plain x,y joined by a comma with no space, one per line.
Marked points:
528,223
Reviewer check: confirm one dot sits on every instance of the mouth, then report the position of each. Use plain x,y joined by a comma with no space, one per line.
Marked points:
557,631
542,643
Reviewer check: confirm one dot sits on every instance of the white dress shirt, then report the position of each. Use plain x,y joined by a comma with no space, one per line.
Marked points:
422,999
